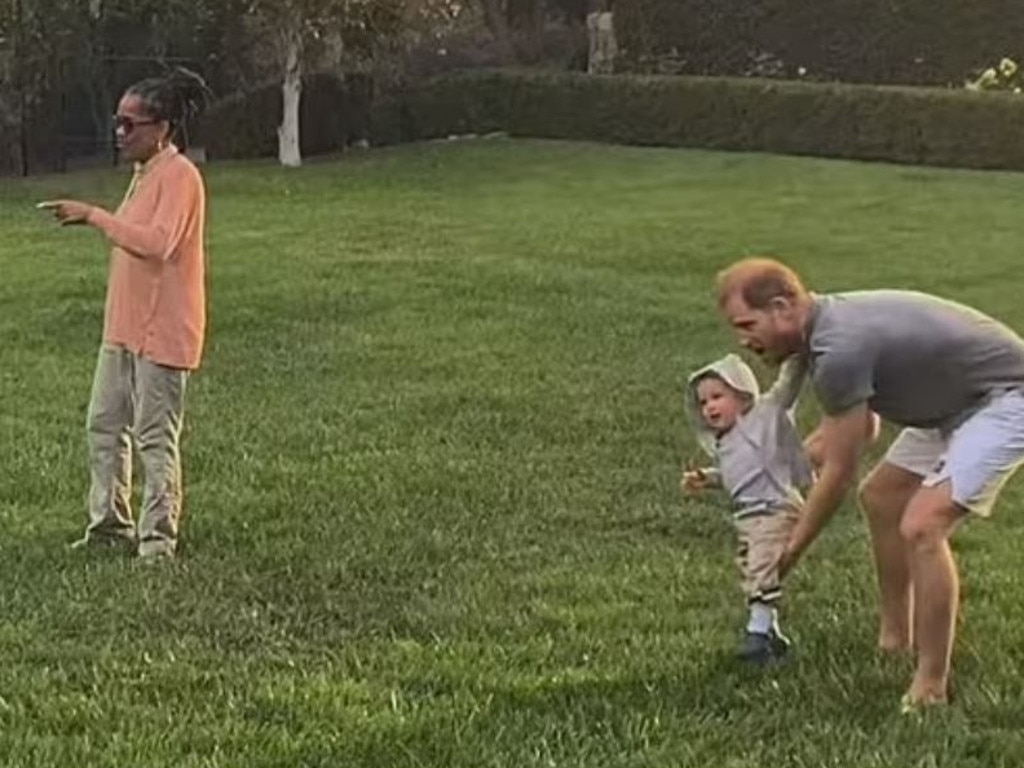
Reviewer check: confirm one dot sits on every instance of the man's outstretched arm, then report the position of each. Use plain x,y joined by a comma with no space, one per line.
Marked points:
841,440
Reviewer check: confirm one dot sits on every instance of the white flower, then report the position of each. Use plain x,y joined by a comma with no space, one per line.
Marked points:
1008,67
801,71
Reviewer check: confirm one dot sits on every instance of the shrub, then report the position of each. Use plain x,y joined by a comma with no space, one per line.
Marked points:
916,42
950,127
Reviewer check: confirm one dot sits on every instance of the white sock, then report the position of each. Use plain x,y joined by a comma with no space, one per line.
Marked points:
763,618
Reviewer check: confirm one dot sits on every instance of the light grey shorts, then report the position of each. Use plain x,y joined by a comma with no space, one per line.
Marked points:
977,458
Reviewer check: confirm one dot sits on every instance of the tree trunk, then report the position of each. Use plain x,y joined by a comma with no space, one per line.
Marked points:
525,16
289,151
497,25
20,86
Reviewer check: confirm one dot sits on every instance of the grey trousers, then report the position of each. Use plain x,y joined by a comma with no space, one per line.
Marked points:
135,405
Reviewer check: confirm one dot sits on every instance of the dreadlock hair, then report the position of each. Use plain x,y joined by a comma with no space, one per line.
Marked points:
179,97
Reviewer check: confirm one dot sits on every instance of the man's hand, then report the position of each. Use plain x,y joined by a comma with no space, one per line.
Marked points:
67,211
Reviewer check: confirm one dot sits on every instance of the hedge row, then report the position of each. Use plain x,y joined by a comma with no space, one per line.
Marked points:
942,127
10,160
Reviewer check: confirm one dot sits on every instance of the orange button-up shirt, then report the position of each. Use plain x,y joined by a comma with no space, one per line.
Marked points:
156,293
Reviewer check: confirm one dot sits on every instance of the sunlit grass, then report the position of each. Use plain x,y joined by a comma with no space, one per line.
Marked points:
432,515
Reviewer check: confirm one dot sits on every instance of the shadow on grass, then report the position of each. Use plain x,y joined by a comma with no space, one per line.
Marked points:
707,713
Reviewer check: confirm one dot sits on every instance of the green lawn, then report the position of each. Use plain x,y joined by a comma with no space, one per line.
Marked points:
432,515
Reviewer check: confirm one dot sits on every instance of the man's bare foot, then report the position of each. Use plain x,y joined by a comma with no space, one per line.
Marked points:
921,697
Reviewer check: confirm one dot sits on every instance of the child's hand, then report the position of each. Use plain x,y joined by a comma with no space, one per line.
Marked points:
694,481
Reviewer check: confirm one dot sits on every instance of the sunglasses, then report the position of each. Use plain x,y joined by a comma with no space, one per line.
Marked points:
129,124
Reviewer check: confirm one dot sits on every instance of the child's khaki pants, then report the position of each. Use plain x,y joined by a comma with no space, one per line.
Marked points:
762,540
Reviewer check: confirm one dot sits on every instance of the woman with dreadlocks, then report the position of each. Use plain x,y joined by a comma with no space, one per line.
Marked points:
154,321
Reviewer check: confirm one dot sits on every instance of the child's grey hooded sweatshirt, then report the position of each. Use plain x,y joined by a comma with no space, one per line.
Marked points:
761,460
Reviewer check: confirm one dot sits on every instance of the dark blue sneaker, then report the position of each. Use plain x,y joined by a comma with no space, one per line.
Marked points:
763,649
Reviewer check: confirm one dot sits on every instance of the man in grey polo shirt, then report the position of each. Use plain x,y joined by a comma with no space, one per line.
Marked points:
952,377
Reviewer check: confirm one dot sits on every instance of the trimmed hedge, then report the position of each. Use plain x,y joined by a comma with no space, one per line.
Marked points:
942,127
9,150
333,114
